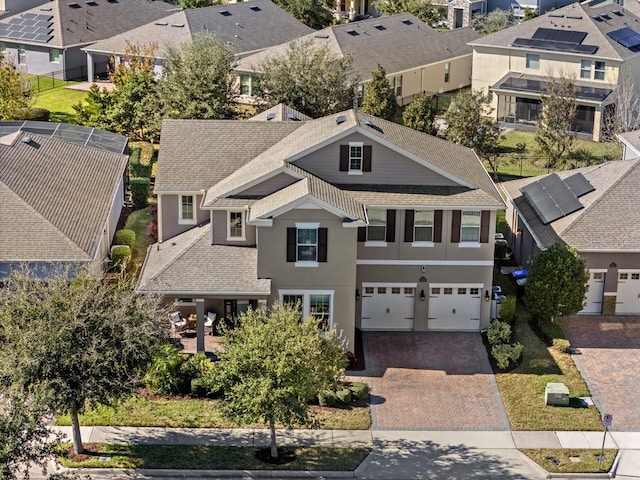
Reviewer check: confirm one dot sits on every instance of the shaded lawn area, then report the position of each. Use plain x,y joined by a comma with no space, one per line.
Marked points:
588,462
59,101
522,389
138,221
203,413
205,457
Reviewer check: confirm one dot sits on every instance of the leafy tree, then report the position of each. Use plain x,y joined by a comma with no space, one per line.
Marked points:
379,98
187,4
530,13
314,13
272,365
15,90
425,10
420,114
83,341
624,114
309,78
556,283
93,110
557,115
493,21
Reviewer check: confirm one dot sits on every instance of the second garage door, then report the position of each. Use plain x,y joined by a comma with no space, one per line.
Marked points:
455,306
387,306
595,290
628,295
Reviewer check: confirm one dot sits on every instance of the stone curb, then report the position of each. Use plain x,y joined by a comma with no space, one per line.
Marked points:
173,473
604,475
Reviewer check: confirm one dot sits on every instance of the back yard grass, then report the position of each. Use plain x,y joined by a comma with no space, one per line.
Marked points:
59,101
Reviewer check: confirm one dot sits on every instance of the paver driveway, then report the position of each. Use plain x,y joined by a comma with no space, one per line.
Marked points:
431,381
609,361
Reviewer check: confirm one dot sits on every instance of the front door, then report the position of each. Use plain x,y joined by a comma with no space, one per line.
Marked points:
230,310
458,17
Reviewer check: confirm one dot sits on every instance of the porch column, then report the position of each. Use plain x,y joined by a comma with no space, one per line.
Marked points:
352,9
89,67
200,325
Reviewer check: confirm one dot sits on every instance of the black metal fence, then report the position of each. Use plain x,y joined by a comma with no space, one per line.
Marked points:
57,79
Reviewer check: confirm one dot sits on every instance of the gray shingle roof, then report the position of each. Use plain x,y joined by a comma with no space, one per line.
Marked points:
189,264
89,23
54,198
280,113
242,28
610,215
397,47
631,139
575,17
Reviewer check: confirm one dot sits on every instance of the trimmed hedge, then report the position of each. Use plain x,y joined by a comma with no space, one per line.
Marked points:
553,335
359,390
33,113
504,354
344,396
139,192
120,255
498,332
327,398
508,309
125,237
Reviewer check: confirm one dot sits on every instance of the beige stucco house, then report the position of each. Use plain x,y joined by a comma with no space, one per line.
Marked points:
598,46
366,223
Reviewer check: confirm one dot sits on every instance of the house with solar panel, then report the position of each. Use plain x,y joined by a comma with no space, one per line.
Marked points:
598,45
62,189
46,39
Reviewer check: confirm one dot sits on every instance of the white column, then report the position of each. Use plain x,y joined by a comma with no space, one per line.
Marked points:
89,67
352,9
200,325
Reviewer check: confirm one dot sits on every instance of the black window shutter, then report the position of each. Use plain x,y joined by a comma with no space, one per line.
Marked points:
391,226
437,226
366,155
484,226
344,158
291,244
254,304
362,234
408,225
455,226
322,245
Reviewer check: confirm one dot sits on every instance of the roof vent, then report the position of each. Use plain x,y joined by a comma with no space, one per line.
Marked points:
92,3
271,116
293,117
556,15
575,17
341,119
597,18
353,33
26,139
377,26
618,13
162,24
45,9
605,16
255,8
74,5
177,25
225,13
321,35
406,21
112,1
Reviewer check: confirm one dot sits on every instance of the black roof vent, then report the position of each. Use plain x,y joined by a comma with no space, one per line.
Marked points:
112,1
341,119
162,24
605,16
556,15
597,18
74,5
293,117
575,17
225,13
92,3
618,13
255,8
406,21
377,26
321,35
353,33
271,116
177,25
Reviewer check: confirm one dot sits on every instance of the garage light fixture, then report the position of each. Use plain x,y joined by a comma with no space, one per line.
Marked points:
357,295
422,295
487,297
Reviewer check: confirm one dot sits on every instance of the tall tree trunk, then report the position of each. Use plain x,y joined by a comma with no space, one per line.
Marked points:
77,439
274,446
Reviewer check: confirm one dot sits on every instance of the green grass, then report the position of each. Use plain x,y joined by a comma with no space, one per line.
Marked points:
59,101
138,221
202,413
522,389
42,83
588,459
201,457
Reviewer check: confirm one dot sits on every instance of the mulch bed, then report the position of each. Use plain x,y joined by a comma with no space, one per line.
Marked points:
357,364
285,455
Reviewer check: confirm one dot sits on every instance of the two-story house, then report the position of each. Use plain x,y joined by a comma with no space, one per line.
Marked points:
366,223
596,46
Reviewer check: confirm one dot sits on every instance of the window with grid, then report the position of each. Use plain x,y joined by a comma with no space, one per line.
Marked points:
435,291
22,54
448,291
294,301
470,227
382,290
474,291
423,226
599,70
355,157
624,276
369,290
320,309
597,276
236,229
585,69
408,291
462,291
245,84
395,290
187,210
533,61
307,246
635,276
377,229
54,55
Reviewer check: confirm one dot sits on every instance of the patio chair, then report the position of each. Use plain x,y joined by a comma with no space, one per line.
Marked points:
178,324
210,321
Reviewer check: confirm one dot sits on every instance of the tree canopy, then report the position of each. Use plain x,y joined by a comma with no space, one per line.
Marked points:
494,21
273,364
313,13
420,114
81,341
556,283
425,10
15,89
379,98
309,78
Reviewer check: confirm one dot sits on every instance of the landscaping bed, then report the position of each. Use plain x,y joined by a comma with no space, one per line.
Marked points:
564,460
205,457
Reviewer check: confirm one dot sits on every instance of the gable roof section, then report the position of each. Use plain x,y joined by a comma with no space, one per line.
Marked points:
244,26
608,219
574,17
88,22
397,46
631,140
280,113
64,192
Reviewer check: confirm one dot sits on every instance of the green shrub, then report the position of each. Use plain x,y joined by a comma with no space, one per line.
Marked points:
344,396
508,310
197,366
505,354
139,170
562,344
359,390
498,332
209,382
199,387
163,375
139,192
134,156
553,335
125,237
327,398
120,255
33,113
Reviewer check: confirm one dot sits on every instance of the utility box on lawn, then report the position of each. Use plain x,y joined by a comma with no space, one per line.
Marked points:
556,394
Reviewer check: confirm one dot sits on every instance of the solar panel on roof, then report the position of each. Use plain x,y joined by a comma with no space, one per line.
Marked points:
627,37
551,198
29,15
579,185
44,18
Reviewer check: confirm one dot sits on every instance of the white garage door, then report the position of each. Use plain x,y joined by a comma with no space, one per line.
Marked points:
595,290
387,306
628,296
454,306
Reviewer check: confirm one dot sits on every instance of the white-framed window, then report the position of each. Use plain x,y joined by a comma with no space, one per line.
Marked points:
235,225
435,291
317,304
635,276
187,210
447,72
533,61
598,275
307,244
423,226
623,276
599,70
22,55
585,69
377,229
355,158
474,291
470,226
245,84
396,85
54,55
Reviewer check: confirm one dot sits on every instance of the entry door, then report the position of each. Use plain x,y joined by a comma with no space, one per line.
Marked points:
595,290
230,309
628,295
387,307
458,17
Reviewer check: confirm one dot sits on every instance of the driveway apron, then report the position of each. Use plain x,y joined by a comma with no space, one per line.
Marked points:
431,381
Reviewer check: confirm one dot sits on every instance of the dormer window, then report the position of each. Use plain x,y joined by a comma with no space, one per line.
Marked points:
355,158
187,212
235,226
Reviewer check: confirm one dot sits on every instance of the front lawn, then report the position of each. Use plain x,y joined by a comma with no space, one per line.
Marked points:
562,460
202,413
522,389
59,101
205,457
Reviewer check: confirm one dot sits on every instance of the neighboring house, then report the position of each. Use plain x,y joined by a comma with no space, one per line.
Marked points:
11,7
630,144
461,12
352,9
47,39
366,223
597,214
61,195
245,27
416,57
597,46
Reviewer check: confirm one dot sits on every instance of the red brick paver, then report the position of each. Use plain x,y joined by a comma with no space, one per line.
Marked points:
609,359
431,381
